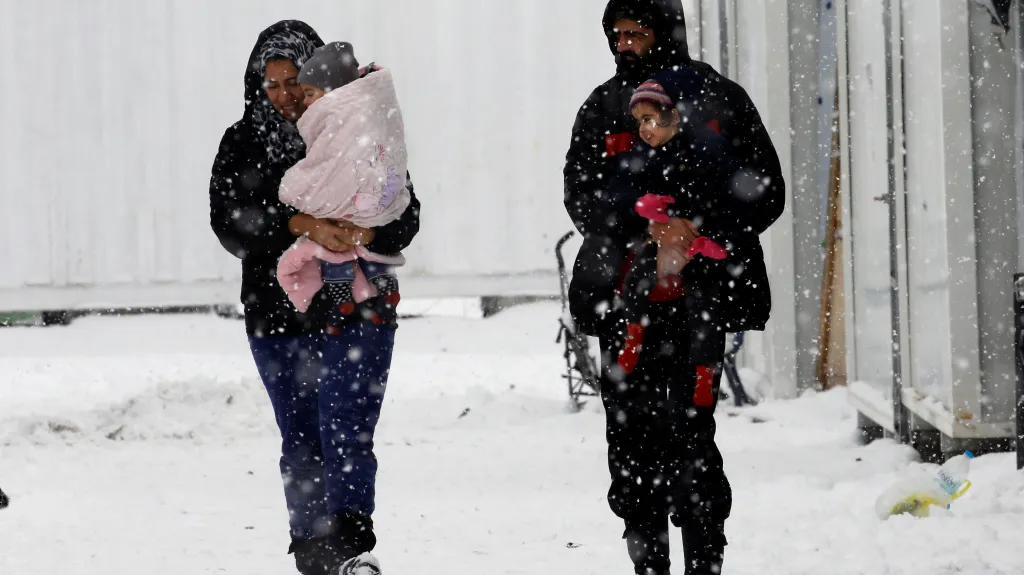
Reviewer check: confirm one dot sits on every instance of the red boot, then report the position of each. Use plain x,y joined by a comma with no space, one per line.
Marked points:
704,392
630,353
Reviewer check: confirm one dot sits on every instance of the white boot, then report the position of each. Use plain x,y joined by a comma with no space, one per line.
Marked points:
365,564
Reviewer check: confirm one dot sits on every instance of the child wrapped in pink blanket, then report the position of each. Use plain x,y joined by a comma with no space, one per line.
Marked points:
354,171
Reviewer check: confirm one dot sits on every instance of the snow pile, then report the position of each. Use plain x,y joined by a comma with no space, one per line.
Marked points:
197,408
127,378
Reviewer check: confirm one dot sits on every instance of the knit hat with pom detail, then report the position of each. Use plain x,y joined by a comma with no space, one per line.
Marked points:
653,93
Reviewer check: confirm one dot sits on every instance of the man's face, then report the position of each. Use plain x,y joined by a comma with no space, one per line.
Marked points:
632,41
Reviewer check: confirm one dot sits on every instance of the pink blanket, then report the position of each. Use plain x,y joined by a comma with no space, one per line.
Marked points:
298,270
355,164
354,170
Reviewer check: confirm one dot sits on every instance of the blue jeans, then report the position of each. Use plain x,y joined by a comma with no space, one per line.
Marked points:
327,392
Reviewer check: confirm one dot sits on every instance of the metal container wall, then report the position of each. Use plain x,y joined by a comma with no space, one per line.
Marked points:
866,227
993,100
960,220
940,201
948,99
1017,20
110,140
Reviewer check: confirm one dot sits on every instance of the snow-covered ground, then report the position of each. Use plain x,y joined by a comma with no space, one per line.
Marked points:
146,445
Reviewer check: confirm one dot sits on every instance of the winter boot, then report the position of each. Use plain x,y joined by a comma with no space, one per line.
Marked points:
365,564
353,535
314,556
637,285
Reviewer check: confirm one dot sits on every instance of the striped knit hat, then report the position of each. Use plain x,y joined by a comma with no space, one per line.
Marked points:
652,92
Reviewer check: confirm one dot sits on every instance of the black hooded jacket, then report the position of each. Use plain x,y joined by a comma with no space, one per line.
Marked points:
605,133
604,118
252,223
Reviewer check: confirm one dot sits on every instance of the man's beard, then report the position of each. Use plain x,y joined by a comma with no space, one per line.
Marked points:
627,58
630,63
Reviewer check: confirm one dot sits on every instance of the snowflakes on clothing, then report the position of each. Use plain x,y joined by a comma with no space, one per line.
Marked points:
356,162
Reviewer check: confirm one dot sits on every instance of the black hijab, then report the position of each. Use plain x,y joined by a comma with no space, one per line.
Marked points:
292,40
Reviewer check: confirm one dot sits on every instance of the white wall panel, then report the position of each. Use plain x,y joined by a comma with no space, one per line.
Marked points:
762,68
868,224
940,218
957,217
995,209
110,142
712,30
694,28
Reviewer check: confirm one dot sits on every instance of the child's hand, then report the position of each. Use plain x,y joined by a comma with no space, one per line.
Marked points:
677,233
671,261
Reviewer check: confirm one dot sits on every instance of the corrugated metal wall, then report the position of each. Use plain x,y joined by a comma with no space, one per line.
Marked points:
113,110
934,302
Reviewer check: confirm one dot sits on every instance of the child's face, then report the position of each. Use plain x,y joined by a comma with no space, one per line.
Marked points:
312,94
657,127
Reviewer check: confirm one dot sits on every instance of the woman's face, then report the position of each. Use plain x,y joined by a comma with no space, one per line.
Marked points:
281,84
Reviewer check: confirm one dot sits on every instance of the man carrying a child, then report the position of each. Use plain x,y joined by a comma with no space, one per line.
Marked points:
670,178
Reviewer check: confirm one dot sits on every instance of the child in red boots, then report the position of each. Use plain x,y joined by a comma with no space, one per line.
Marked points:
678,304
684,169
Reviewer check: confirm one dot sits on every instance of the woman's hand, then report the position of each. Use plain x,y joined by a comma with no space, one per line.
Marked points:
677,233
355,235
337,236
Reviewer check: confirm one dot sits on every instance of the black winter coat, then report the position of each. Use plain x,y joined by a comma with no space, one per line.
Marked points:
605,132
252,223
706,177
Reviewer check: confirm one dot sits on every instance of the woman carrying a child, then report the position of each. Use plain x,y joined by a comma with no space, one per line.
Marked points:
325,368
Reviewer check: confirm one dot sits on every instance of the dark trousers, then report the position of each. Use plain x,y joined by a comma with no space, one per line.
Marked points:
327,391
662,455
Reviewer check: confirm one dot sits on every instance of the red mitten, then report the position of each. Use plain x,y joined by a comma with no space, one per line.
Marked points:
630,353
703,395
654,207
706,248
